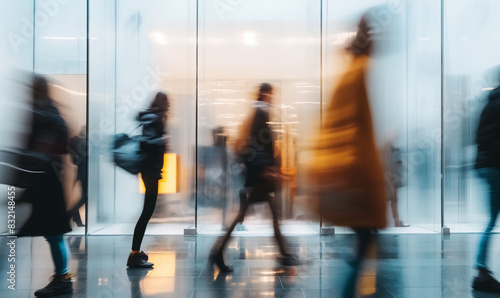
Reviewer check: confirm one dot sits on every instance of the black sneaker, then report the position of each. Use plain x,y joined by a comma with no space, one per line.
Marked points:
139,260
59,285
485,282
144,256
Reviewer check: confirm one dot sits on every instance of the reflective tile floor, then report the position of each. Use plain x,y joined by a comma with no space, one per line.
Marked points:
400,266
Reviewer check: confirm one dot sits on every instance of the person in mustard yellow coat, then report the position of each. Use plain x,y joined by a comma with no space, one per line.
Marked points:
346,171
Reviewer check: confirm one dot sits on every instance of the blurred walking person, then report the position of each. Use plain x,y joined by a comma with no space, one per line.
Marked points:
49,136
346,171
257,150
78,146
488,167
154,145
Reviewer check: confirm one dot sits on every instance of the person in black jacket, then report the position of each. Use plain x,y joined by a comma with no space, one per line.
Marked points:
154,145
260,178
49,136
488,167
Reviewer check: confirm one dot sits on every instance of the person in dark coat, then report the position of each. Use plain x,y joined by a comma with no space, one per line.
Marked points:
260,178
154,145
488,167
49,136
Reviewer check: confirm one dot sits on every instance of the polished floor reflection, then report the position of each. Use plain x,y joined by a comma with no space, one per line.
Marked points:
400,266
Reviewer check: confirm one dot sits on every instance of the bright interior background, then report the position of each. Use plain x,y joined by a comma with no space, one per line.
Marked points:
420,80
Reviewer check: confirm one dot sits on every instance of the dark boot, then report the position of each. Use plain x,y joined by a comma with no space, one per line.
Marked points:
216,258
139,260
59,285
485,282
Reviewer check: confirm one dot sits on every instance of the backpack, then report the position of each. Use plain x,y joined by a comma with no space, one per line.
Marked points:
127,153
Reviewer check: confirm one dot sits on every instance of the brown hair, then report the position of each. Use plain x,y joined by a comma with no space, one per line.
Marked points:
159,106
264,88
363,42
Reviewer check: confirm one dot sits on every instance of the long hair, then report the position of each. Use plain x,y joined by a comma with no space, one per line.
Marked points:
362,43
159,106
264,89
40,87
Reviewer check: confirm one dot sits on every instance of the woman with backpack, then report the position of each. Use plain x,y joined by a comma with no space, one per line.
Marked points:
153,145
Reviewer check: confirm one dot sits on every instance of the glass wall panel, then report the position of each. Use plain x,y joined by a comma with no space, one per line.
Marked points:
60,53
471,42
101,196
241,45
16,50
151,47
404,91
422,154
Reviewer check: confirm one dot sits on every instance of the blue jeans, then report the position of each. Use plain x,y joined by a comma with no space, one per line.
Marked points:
492,177
60,251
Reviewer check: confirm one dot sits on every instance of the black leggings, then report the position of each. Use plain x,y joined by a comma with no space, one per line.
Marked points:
150,198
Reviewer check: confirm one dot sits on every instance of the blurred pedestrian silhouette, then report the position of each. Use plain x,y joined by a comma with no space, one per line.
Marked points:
220,151
393,175
49,136
255,146
154,144
213,173
78,151
347,175
488,168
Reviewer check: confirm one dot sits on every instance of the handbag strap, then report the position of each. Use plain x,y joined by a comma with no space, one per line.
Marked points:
135,128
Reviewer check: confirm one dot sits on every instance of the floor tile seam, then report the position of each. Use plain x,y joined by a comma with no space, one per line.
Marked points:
304,294
202,269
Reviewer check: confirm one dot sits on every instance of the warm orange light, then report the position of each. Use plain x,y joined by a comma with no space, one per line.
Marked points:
168,184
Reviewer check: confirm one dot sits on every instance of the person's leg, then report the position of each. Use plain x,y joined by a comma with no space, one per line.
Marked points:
75,212
484,281
151,185
60,283
216,254
59,251
492,177
365,238
395,211
243,194
243,202
221,243
283,247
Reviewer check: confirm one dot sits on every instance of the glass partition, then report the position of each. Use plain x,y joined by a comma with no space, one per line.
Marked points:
404,91
137,49
16,50
101,107
241,45
471,70
60,53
